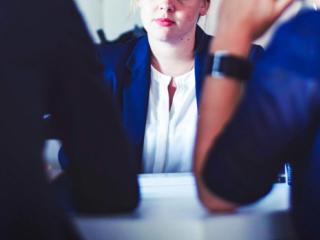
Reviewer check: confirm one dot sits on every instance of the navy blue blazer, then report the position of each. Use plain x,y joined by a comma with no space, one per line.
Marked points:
127,72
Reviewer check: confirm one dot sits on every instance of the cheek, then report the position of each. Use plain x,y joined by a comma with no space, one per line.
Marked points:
146,19
190,17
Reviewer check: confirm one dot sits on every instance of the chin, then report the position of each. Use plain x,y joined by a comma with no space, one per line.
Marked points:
163,36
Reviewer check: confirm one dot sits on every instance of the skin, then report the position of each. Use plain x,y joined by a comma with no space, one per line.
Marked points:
240,22
171,25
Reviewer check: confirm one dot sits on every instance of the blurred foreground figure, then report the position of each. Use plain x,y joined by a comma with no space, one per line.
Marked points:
48,64
277,120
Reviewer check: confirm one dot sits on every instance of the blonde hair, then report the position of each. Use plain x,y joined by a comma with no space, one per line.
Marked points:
133,8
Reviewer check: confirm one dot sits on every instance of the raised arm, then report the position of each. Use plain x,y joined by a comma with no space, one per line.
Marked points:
240,22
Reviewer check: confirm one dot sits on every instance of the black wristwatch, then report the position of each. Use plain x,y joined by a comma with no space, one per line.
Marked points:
224,64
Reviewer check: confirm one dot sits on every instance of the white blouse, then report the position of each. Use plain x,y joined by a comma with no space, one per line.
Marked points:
170,134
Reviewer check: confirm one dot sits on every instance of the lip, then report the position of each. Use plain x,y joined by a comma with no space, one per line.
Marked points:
164,22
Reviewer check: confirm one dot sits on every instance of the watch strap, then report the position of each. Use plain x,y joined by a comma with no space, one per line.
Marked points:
223,64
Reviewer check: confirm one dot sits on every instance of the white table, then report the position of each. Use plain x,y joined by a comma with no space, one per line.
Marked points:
170,210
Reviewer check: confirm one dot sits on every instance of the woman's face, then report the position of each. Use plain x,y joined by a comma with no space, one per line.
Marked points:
171,20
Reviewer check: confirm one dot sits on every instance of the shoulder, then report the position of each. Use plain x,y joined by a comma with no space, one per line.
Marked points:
302,30
295,46
301,23
115,54
202,39
118,60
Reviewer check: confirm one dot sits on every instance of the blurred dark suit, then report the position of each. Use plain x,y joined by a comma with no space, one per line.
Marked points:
48,65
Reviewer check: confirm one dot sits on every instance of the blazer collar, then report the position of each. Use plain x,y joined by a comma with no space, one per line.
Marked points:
201,59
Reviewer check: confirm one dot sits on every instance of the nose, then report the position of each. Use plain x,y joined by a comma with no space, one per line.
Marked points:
167,5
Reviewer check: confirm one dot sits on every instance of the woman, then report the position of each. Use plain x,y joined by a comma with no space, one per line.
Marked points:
157,79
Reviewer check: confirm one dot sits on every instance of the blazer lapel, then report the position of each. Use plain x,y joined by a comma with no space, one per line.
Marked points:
136,93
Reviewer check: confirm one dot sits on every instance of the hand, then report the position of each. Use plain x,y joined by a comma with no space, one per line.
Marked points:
249,18
242,21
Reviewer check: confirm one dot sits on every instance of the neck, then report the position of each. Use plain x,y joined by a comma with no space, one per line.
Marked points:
173,58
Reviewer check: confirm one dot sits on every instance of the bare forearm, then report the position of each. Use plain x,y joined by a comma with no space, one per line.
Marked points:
219,99
240,22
